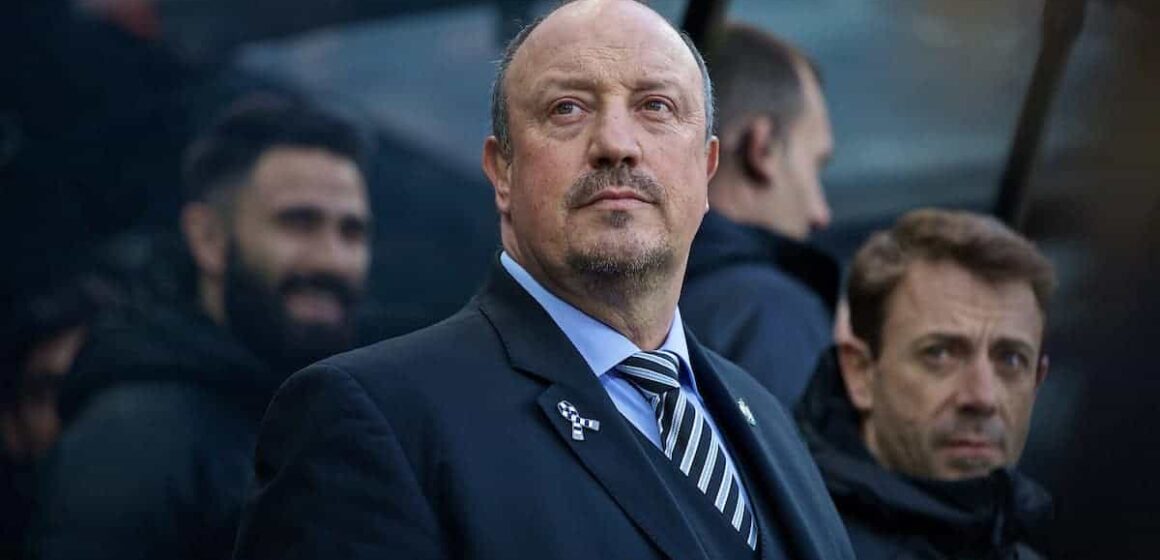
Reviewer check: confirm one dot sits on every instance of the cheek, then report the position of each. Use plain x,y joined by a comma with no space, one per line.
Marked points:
916,398
1018,405
271,256
688,185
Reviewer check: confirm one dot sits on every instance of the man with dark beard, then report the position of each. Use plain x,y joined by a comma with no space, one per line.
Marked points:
164,407
918,419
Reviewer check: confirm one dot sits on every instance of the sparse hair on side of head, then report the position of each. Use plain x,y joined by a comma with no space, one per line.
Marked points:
980,244
222,157
500,124
757,73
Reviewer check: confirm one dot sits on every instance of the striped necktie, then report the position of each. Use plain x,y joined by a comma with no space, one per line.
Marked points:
686,438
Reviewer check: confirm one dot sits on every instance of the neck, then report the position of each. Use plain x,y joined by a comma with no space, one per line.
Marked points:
641,310
736,200
639,306
211,295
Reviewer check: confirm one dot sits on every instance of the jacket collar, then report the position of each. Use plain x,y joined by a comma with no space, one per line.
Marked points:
614,454
169,344
721,242
1000,505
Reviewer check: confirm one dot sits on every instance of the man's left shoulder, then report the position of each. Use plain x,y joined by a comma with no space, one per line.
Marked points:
748,389
766,438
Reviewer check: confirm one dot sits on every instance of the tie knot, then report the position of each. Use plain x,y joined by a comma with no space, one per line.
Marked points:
652,372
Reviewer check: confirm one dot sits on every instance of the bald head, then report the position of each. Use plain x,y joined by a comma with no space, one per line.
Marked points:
635,21
602,181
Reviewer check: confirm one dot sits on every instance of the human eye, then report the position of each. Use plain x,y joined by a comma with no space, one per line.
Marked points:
936,353
1011,362
657,105
565,108
354,230
657,108
940,356
299,219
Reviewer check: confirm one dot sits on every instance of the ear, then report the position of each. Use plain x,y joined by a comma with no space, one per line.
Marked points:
1041,370
498,171
858,372
757,150
713,157
207,236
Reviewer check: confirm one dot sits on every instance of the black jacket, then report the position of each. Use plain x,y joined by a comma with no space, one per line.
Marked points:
448,443
160,422
889,515
763,301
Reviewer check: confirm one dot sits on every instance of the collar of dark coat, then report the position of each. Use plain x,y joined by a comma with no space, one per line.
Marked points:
536,346
721,242
532,340
1001,507
168,344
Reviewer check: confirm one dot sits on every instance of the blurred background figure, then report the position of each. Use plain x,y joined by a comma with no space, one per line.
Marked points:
756,291
39,340
1040,112
164,405
919,418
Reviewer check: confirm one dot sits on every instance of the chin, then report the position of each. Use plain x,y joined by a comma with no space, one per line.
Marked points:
959,470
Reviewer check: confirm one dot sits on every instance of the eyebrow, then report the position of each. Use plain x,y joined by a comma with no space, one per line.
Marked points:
314,212
364,221
943,336
300,211
666,82
1016,344
963,339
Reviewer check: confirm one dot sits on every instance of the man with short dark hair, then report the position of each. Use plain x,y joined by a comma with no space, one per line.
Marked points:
565,412
918,419
164,406
755,291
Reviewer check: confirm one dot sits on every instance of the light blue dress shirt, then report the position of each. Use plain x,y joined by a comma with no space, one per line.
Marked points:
604,348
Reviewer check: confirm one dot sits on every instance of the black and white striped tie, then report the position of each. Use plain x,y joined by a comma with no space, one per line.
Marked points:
686,438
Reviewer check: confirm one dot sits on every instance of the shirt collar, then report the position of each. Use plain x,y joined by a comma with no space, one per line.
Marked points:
600,346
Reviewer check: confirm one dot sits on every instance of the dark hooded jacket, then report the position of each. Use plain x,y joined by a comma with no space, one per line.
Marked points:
764,301
161,417
888,515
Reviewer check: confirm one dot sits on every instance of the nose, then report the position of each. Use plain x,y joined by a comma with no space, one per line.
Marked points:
978,389
614,141
332,253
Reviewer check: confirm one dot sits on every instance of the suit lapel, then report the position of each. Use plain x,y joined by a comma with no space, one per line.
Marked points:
615,457
766,477
613,454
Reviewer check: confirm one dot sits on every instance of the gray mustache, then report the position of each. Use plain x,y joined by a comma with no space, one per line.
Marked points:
592,183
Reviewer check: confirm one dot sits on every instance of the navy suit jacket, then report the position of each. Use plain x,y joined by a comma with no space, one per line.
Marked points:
447,443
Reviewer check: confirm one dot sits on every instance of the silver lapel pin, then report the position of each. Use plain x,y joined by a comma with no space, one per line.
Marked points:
748,414
570,414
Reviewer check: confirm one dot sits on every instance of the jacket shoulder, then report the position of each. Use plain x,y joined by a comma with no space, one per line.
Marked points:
456,340
174,415
745,384
750,287
137,455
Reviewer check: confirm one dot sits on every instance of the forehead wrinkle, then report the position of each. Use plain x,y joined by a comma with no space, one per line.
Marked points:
966,321
551,44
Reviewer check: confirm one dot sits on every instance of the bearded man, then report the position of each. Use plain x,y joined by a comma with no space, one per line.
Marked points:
165,404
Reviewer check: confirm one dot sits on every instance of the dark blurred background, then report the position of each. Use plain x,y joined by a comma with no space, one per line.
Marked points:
1044,111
